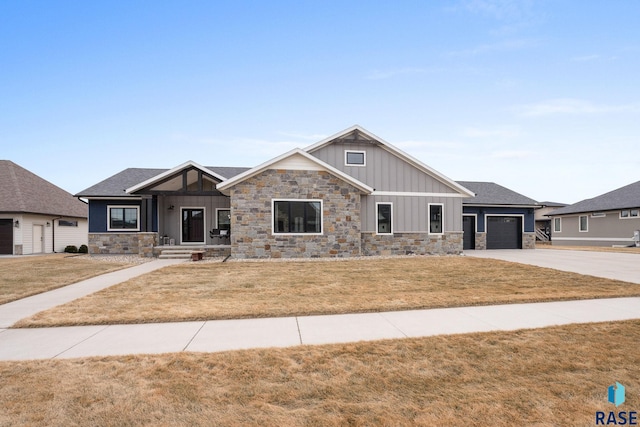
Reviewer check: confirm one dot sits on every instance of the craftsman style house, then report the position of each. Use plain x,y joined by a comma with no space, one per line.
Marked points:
351,194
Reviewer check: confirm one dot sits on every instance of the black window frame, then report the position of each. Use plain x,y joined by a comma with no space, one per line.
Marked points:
110,221
288,226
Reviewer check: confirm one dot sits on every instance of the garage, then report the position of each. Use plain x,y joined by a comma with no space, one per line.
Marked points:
504,232
6,237
469,228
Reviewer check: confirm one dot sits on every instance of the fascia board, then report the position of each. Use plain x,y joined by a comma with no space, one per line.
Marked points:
170,172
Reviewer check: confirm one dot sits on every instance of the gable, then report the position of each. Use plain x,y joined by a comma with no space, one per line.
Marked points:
385,168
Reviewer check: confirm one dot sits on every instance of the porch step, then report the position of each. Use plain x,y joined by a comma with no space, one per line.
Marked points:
177,253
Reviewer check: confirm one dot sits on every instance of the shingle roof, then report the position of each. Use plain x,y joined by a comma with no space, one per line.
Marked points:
623,198
22,191
490,193
118,183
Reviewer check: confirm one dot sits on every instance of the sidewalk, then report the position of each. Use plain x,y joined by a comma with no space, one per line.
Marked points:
221,335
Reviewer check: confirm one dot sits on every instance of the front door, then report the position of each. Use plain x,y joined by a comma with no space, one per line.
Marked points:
469,228
38,239
6,236
192,225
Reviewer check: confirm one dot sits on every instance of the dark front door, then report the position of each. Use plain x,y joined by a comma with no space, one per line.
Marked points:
192,225
504,232
6,236
469,228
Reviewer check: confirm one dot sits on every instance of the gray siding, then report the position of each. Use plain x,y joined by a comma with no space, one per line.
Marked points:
383,171
170,222
603,231
410,213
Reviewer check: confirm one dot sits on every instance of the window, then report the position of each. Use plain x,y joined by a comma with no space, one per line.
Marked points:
354,158
584,223
629,213
383,221
557,225
223,219
297,216
65,223
435,219
123,218
598,215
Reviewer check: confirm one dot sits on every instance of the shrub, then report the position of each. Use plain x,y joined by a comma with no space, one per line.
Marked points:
71,249
83,249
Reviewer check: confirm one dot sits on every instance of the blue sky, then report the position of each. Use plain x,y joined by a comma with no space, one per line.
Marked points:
539,96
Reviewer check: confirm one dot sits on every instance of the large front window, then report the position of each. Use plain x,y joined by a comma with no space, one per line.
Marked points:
297,216
123,218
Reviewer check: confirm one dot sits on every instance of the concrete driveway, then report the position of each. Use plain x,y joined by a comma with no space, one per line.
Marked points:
610,265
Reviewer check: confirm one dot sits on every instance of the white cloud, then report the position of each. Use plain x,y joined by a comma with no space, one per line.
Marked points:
511,154
490,133
499,9
573,106
506,45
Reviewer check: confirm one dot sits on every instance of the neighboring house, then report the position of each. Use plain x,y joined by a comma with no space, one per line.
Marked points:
351,194
609,219
497,218
35,215
543,222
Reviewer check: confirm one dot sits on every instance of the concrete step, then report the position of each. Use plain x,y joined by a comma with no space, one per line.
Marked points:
177,253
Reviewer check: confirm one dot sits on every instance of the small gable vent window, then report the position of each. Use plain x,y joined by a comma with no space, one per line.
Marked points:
355,158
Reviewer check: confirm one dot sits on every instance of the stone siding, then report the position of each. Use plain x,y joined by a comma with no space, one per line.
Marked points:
412,244
146,242
528,240
251,216
113,243
481,241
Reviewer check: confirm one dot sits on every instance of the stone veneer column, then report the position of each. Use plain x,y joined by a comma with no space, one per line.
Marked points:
251,216
528,240
146,242
481,241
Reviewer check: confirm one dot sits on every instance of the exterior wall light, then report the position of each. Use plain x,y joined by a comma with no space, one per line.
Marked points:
16,224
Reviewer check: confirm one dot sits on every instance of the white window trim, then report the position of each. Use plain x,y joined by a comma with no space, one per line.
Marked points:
559,230
204,221
429,218
137,208
377,228
364,155
579,222
217,216
629,214
273,228
598,214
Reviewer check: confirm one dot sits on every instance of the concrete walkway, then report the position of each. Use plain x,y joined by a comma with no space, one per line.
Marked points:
221,335
11,312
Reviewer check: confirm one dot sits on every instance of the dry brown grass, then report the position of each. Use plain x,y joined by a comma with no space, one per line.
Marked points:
30,275
248,289
544,377
632,250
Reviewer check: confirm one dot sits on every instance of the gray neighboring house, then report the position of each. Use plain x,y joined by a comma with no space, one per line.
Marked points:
351,194
606,220
497,218
35,215
543,222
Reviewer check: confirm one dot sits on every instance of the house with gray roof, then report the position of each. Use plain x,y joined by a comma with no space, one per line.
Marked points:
606,220
351,194
35,215
497,218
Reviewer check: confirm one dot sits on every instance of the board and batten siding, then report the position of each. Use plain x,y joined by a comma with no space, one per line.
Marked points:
383,170
410,214
171,222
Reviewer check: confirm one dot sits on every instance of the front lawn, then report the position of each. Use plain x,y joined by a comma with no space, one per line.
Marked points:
203,291
545,377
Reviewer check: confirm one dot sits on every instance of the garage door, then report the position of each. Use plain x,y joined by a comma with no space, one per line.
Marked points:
6,236
469,228
504,232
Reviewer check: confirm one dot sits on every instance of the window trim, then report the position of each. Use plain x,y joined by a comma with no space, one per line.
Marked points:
217,224
273,222
598,214
364,158
136,207
378,219
586,230
629,212
559,222
441,218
